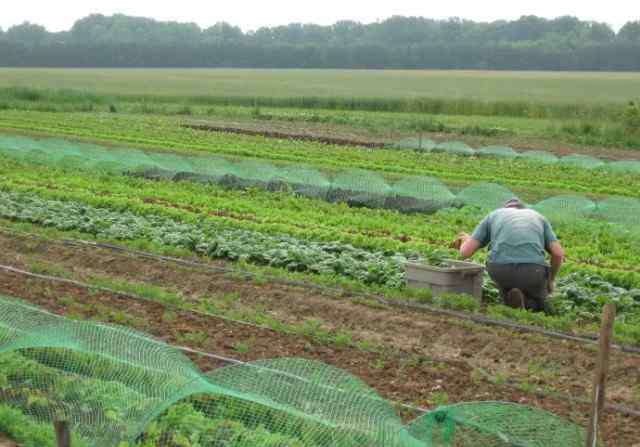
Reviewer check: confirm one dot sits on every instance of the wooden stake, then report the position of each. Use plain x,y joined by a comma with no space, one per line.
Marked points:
63,435
602,369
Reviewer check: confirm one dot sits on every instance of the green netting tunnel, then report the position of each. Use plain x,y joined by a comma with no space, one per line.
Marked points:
415,143
208,170
573,160
359,187
485,195
539,156
455,148
356,187
307,182
582,161
566,208
624,166
494,424
420,194
623,210
120,387
497,151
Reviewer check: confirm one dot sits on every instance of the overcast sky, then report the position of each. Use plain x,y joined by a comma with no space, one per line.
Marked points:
249,15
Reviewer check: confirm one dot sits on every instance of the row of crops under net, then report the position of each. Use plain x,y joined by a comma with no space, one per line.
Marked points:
356,187
119,387
506,152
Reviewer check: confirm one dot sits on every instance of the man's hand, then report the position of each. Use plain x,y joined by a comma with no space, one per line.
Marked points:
557,258
461,239
551,286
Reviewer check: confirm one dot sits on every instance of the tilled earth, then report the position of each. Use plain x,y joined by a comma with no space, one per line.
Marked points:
286,135
354,136
419,356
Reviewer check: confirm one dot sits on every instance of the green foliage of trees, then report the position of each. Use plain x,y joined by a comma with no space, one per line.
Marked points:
27,33
630,32
564,43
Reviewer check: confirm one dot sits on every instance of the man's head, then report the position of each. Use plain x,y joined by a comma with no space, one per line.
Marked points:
514,203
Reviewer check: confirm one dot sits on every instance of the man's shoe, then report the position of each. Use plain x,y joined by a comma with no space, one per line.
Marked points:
515,299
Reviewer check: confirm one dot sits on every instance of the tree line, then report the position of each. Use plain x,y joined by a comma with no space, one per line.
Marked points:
529,43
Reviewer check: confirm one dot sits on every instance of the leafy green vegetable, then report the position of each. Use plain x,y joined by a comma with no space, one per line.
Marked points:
368,267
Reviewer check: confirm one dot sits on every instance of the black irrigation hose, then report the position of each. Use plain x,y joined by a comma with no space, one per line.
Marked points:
592,339
132,296
611,407
170,306
476,318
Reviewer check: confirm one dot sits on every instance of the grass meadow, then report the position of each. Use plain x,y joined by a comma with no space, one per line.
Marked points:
538,87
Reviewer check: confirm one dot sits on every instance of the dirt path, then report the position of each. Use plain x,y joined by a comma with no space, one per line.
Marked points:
460,352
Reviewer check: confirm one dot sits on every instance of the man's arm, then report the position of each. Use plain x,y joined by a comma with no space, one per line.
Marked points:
468,246
480,238
552,245
557,258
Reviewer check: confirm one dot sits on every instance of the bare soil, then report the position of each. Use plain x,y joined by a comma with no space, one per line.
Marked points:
350,136
307,129
288,136
421,354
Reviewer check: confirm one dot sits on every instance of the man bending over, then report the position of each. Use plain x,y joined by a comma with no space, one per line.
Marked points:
518,238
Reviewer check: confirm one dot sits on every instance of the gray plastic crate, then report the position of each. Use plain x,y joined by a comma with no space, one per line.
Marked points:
460,277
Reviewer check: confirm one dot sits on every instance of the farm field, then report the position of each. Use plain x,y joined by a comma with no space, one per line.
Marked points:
542,87
167,133
420,360
244,246
590,127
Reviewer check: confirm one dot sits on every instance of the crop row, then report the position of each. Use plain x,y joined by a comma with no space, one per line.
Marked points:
232,244
355,187
589,243
506,152
577,301
35,383
583,293
380,124
182,424
166,133
579,296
